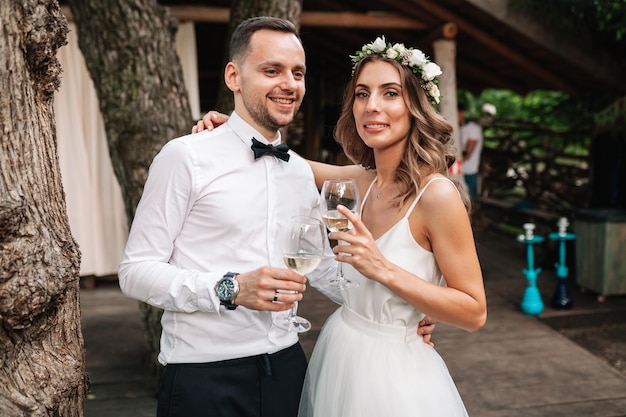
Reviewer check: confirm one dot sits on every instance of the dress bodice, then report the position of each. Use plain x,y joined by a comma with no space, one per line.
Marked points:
376,302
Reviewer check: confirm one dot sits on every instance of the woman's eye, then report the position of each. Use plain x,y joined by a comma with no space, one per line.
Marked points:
361,94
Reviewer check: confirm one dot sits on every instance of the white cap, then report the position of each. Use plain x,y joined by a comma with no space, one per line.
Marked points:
489,109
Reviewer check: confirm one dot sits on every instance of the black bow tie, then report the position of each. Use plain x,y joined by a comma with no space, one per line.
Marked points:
260,149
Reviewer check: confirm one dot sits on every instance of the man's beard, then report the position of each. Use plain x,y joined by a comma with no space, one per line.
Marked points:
263,117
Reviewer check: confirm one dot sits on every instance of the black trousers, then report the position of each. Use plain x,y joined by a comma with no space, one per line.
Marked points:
255,386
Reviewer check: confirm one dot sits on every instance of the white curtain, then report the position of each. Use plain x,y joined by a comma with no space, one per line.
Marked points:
186,48
93,196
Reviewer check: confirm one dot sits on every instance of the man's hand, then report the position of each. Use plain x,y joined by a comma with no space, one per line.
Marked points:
270,289
426,328
210,121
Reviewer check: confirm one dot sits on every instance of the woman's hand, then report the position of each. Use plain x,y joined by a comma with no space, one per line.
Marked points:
358,248
210,121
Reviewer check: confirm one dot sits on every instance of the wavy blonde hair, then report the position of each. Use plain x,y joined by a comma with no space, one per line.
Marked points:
429,147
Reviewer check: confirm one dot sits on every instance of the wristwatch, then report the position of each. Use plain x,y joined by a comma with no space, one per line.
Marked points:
227,289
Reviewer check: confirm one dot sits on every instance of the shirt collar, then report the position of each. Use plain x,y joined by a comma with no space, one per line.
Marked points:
246,132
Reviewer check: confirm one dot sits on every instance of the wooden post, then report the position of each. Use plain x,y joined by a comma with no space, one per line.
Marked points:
445,57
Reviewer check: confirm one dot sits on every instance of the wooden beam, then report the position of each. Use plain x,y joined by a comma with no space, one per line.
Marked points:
205,14
378,20
448,30
485,38
579,55
360,20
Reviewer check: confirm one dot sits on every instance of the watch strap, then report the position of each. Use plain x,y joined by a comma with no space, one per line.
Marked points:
229,305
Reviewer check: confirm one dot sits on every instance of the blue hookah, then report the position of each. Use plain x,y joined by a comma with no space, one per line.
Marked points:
531,302
561,298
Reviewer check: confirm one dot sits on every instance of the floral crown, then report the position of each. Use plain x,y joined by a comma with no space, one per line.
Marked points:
415,59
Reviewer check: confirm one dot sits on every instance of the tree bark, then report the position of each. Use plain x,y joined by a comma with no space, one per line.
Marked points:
129,49
42,359
241,10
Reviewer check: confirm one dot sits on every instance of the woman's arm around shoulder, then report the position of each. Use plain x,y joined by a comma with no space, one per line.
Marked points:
323,171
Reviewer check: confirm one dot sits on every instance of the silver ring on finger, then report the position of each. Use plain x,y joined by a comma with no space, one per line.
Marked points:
276,296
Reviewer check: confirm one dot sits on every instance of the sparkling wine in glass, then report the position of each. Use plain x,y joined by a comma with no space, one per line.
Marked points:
303,247
340,191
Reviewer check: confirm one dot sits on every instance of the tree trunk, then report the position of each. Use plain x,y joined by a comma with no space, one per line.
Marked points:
42,359
241,10
129,49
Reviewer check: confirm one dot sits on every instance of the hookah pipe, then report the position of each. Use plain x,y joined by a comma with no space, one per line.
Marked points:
561,298
531,301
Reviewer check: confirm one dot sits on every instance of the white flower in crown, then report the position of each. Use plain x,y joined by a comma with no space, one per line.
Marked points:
430,71
400,48
392,53
379,45
415,59
433,91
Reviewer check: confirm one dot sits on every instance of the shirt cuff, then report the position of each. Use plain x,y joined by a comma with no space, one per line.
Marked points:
209,302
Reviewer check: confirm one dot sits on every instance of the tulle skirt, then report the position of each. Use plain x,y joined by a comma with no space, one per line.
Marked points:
361,368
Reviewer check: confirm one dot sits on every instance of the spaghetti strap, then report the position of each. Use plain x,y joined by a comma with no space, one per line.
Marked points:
367,193
419,195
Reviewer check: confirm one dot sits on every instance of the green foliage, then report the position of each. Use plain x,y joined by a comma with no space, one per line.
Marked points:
594,22
551,109
536,147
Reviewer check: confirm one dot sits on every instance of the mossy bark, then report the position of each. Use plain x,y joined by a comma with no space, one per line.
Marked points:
129,49
42,358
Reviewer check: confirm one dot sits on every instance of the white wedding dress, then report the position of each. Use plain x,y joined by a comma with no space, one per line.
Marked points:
369,360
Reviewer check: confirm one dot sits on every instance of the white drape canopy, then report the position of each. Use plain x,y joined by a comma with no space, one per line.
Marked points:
93,196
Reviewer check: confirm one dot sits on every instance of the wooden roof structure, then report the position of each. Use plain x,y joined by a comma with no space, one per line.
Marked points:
494,48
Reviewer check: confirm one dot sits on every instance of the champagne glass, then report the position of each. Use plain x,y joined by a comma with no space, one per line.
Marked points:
334,192
303,247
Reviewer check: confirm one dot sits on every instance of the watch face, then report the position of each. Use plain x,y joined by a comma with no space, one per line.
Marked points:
225,289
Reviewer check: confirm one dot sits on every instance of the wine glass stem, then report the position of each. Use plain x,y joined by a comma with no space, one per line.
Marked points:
292,312
340,277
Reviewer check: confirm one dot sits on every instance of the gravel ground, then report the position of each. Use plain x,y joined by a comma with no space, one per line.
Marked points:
607,341
600,328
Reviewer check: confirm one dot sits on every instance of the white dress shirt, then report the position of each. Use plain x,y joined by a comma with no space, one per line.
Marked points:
472,130
208,207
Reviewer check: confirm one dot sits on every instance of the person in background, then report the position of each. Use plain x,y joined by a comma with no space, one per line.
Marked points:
203,244
411,250
472,144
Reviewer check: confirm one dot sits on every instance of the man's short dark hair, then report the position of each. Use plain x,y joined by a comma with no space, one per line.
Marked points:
240,41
